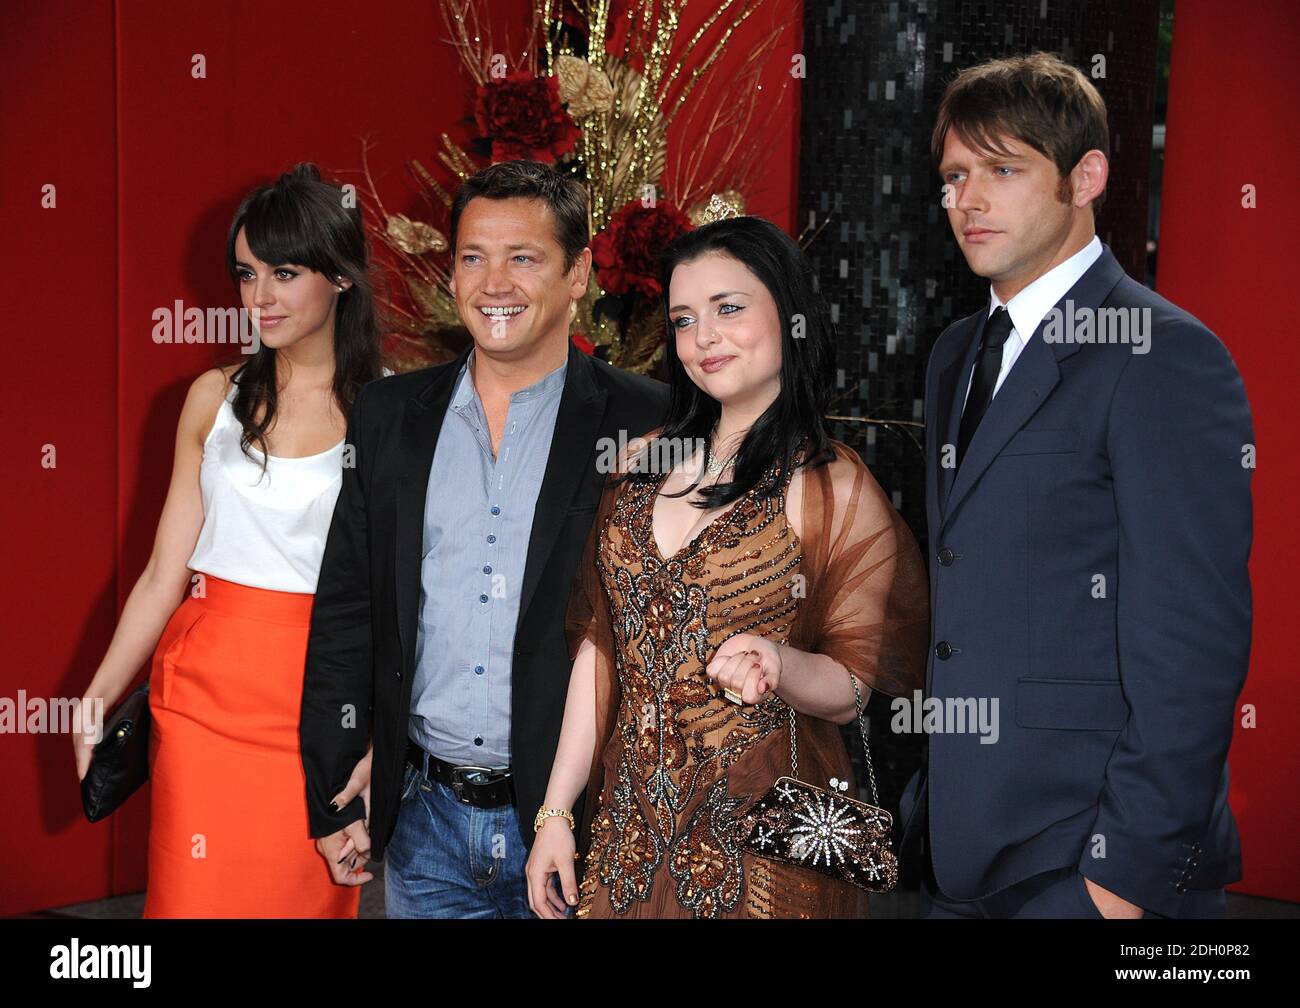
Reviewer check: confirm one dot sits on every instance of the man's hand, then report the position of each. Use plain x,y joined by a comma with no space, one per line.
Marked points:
1108,904
351,845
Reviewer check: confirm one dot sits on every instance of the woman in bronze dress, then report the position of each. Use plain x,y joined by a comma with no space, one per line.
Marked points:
754,573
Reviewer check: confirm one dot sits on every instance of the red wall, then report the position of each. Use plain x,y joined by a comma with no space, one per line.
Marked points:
97,98
59,387
1232,122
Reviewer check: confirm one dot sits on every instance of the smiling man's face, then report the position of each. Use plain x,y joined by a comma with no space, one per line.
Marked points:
508,276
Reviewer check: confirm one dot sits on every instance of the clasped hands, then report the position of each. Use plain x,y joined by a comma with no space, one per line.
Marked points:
350,846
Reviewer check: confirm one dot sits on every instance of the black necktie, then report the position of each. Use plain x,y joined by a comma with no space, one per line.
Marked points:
987,366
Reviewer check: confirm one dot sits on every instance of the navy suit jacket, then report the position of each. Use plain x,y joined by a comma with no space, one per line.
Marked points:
1088,570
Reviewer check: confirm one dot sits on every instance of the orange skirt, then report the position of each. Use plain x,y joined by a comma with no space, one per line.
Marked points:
228,833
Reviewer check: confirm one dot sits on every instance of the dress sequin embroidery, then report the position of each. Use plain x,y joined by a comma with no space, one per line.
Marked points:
676,736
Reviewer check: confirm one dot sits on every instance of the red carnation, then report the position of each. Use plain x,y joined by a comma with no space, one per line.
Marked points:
626,253
523,117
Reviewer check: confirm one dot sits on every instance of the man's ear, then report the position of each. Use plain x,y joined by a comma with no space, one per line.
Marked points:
579,272
1088,178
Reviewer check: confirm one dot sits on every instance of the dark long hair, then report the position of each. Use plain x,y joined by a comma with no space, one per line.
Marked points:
796,418
303,220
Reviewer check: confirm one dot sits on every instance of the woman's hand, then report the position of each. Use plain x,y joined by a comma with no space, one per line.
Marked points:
553,853
358,833
85,740
747,665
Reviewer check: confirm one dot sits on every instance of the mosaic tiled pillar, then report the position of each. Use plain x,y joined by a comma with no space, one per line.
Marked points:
869,198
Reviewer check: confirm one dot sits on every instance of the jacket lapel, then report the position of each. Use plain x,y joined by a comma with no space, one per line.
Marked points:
949,414
421,424
1031,380
582,407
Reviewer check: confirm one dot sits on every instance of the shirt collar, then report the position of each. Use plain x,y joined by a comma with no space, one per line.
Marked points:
547,385
1031,305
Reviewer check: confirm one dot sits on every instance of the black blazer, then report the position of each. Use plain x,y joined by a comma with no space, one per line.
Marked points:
1088,571
361,651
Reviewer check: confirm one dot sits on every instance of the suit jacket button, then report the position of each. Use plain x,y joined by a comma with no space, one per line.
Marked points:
946,556
943,650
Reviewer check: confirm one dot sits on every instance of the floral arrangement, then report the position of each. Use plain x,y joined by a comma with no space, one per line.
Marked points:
593,91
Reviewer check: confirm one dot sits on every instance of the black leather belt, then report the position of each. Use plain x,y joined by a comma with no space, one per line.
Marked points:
482,787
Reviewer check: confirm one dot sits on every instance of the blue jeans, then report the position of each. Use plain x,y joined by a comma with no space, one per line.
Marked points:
449,859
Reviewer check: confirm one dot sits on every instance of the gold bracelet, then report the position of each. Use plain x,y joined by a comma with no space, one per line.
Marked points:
545,813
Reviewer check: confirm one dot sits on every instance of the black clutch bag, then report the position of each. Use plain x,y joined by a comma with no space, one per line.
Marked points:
120,763
825,831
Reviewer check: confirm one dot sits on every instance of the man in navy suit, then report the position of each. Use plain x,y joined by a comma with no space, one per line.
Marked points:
1090,451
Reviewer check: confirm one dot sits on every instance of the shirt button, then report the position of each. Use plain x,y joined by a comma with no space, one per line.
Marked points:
492,538
487,569
482,598
478,740
495,510
478,669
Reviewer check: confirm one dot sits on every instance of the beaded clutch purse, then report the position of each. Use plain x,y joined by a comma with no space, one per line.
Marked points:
826,831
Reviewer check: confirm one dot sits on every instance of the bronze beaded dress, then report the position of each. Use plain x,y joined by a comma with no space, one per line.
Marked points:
676,762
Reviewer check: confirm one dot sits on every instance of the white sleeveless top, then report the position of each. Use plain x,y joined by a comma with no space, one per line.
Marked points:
263,530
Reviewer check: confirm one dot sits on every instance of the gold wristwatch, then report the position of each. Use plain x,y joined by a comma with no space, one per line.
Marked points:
545,813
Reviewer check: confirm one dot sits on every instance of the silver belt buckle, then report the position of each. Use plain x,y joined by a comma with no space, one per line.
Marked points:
460,778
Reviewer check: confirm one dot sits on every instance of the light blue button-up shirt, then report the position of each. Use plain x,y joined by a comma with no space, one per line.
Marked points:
478,517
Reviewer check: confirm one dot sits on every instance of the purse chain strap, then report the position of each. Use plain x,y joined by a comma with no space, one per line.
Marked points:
866,746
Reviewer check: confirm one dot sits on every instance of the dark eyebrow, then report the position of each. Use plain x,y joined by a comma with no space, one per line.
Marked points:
991,158
513,248
716,297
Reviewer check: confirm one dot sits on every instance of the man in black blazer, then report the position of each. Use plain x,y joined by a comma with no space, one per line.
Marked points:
1090,453
416,585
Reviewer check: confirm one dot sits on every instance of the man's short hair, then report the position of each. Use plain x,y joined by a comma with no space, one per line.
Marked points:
1037,99
566,197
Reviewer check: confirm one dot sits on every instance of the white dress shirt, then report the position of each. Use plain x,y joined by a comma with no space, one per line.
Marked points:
1028,308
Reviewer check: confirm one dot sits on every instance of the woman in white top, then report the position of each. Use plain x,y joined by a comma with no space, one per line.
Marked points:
258,464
